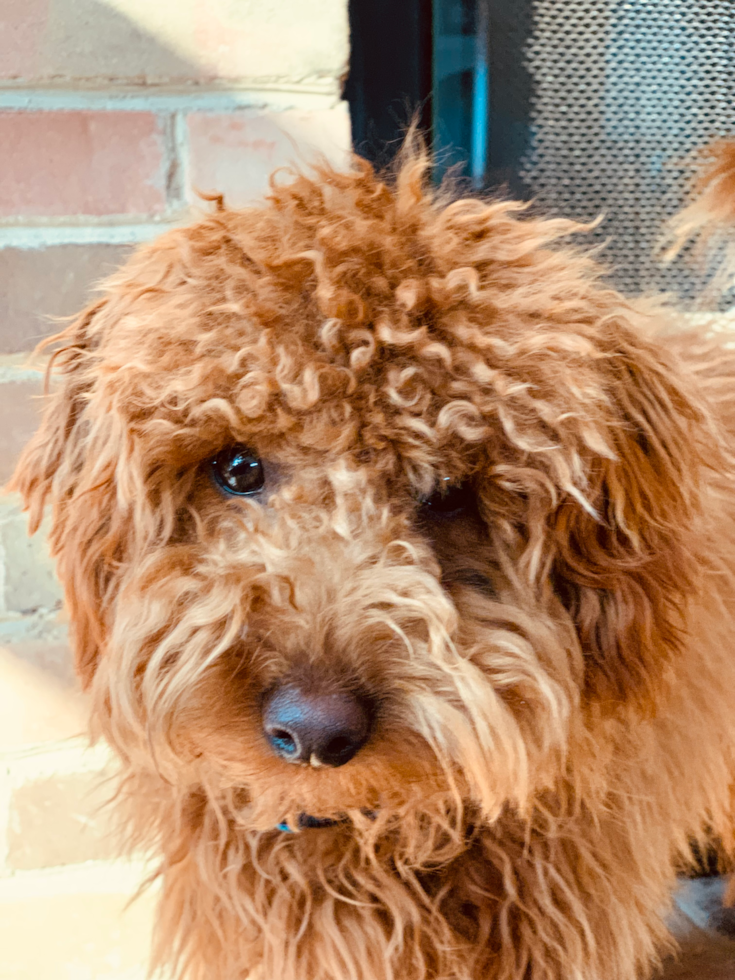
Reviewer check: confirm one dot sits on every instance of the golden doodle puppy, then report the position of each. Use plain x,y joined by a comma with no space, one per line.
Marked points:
400,554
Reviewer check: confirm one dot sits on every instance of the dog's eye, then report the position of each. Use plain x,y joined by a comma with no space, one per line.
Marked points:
448,500
238,471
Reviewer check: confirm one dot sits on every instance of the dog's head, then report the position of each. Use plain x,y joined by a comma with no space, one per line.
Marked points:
366,502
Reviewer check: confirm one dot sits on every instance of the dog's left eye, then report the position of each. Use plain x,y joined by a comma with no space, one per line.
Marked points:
238,471
448,500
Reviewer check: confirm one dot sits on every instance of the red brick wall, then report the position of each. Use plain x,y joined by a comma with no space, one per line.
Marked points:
114,113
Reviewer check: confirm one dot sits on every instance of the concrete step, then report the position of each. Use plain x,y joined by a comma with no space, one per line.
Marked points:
76,923
65,895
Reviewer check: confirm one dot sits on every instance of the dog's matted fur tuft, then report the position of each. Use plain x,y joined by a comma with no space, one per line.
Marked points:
548,662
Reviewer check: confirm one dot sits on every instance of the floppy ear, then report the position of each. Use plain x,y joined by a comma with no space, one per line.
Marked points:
69,464
627,567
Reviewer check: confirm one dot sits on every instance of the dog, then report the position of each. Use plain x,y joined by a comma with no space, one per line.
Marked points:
399,550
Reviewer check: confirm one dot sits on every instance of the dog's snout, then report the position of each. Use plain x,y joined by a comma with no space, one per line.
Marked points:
313,728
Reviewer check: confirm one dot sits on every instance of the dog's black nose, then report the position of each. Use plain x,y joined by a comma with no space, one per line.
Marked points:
315,728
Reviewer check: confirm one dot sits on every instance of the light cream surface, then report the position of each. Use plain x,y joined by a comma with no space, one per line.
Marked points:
248,41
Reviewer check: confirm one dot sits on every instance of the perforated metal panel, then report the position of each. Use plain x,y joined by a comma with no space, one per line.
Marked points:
622,92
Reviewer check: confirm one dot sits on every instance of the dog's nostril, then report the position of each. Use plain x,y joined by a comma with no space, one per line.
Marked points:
285,743
314,728
339,745
338,748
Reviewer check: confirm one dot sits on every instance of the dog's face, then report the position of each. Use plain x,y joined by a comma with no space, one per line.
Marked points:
365,505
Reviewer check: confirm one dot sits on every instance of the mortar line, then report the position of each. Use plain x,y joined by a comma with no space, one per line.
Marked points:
42,236
181,144
277,99
170,161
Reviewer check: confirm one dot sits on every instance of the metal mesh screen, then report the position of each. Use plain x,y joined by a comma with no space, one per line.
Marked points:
622,92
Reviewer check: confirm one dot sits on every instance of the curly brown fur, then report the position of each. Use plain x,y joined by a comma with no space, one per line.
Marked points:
551,665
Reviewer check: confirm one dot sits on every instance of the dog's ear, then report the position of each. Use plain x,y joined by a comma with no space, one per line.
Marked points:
628,563
69,466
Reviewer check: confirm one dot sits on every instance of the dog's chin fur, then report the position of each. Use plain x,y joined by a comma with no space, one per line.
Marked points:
551,666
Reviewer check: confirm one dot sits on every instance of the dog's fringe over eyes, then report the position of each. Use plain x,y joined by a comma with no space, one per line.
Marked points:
246,454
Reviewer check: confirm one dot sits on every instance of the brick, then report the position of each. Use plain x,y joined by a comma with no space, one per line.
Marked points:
36,704
284,39
82,163
22,23
39,284
50,655
64,934
60,820
235,153
89,40
173,40
30,581
19,411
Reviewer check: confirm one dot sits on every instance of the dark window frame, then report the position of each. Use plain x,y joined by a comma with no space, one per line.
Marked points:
396,75
389,80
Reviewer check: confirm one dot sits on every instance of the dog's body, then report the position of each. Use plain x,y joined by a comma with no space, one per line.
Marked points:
412,475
